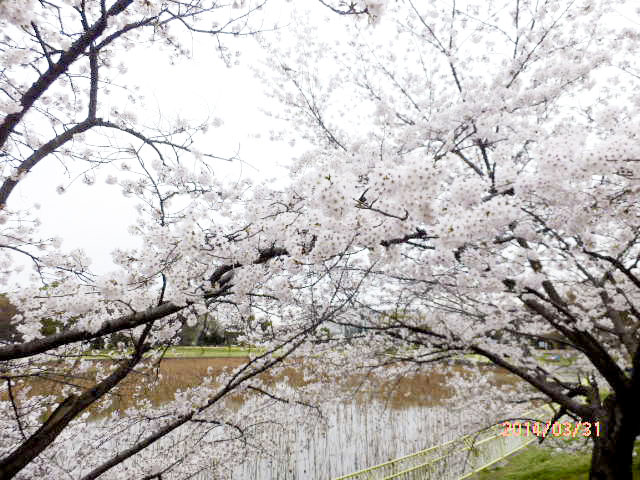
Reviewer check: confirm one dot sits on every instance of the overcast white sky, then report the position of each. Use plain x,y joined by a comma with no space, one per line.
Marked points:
96,218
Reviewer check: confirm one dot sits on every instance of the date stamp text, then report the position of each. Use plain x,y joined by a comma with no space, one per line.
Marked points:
557,429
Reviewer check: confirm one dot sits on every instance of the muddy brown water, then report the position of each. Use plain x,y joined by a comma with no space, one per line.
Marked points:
419,388
385,420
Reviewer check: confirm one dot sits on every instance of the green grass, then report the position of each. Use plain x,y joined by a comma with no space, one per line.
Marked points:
542,464
188,352
210,352
551,358
546,464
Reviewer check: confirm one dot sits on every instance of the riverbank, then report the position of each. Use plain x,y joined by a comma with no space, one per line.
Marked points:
231,351
550,462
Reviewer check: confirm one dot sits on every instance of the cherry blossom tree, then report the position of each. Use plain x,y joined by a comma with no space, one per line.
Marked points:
63,64
478,163
470,189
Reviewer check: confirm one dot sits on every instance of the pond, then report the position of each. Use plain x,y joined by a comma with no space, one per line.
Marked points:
398,417
401,417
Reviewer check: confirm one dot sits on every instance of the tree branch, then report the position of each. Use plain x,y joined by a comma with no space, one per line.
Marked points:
63,415
55,70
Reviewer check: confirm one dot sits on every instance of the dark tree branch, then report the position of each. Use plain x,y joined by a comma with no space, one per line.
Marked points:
350,8
54,71
66,411
238,378
42,345
616,263
589,345
550,389
45,48
283,400
9,184
14,406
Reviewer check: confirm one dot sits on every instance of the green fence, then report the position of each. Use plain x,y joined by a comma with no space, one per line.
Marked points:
454,460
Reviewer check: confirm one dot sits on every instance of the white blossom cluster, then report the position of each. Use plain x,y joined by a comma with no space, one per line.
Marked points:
487,151
463,174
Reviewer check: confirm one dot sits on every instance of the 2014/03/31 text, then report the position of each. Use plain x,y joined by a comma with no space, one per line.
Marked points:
557,429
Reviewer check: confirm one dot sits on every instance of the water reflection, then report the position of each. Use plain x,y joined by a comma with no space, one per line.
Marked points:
383,421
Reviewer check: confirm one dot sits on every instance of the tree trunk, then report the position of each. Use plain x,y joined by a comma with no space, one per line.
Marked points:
69,409
613,444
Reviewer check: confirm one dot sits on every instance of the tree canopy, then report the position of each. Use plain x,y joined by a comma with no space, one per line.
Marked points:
470,188
496,144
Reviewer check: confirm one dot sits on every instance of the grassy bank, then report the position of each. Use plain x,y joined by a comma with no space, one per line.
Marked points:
188,352
543,463
211,352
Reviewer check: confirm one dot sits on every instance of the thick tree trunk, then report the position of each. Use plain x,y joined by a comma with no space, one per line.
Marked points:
69,409
613,444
